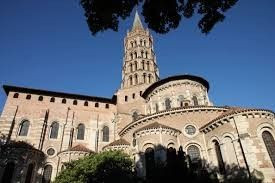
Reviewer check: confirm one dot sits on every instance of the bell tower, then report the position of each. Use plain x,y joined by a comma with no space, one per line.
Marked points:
139,62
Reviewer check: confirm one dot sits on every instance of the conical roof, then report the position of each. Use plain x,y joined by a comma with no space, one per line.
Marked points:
137,22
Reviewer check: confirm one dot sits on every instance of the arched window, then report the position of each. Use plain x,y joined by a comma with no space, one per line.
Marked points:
80,132
105,132
144,77
28,97
142,54
54,130
149,78
219,156
136,66
131,80
194,153
157,107
132,44
181,99
8,172
131,56
86,103
15,95
24,128
47,174
195,100
40,98
148,66
96,105
144,42
136,79
52,99
143,65
135,116
270,145
64,101
171,155
75,102
135,43
131,67
29,173
135,54
149,161
140,43
167,104
146,54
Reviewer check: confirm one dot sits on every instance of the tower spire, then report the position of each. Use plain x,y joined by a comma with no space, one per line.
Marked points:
137,22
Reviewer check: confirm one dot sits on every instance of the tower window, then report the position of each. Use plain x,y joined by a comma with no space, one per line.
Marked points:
148,66
144,43
64,101
126,98
142,54
140,93
144,77
133,95
135,54
146,54
131,67
40,98
52,99
107,106
86,103
15,95
195,100
136,66
96,104
143,65
136,79
140,43
131,80
75,102
28,97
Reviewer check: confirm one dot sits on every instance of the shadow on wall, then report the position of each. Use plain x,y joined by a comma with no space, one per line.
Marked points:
19,161
180,167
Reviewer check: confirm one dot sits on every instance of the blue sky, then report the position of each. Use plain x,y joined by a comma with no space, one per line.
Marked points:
47,45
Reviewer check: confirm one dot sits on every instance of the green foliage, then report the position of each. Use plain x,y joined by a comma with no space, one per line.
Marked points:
109,166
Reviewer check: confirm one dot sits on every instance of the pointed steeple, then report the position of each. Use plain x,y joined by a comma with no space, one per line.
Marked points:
137,22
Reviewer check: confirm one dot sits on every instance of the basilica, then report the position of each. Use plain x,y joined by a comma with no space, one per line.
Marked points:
41,130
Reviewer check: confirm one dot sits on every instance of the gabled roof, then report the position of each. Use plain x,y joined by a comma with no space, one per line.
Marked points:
80,147
9,88
119,142
174,78
156,125
137,22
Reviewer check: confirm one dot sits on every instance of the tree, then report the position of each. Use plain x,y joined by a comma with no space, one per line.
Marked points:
109,166
160,15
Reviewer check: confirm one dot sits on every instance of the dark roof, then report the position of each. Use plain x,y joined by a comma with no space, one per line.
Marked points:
8,88
174,78
79,147
118,142
156,125
231,111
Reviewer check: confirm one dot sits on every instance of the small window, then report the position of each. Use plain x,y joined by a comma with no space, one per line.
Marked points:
75,102
52,99
135,116
133,96
186,104
167,103
190,129
28,97
86,103
126,98
15,95
40,98
140,93
107,106
64,101
96,105
195,100
54,130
